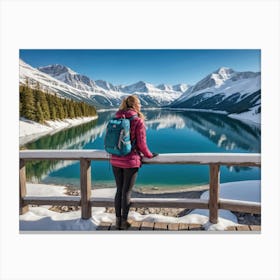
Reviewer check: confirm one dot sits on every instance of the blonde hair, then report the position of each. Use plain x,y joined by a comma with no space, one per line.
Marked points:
130,102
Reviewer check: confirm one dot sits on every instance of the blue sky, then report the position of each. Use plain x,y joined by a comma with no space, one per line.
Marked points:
152,66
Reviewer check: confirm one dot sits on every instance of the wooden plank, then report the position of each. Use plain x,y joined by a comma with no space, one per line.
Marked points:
183,226
52,200
135,225
214,193
240,206
242,228
241,159
104,226
102,202
255,227
147,226
195,227
173,226
85,179
188,203
63,154
231,228
23,208
160,226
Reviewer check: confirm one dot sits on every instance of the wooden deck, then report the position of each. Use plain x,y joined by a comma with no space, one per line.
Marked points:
150,226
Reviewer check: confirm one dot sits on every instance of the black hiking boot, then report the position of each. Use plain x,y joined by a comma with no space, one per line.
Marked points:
125,224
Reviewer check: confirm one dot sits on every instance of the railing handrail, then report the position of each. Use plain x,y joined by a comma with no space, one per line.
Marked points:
214,160
172,158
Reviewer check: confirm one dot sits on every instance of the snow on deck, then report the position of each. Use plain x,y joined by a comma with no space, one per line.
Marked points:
43,219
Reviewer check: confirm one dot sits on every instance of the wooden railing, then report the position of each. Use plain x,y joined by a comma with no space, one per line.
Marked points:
86,201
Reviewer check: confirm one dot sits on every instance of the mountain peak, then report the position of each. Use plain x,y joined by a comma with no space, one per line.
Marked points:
216,79
68,76
221,75
164,87
181,87
56,70
223,69
140,86
141,83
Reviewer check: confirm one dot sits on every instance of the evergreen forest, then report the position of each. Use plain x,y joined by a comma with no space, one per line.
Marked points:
40,106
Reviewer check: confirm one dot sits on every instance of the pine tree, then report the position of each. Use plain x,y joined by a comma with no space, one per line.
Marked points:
28,105
53,113
39,113
65,108
61,110
44,105
71,110
21,93
77,110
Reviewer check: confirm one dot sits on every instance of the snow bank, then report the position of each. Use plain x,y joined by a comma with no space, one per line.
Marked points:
243,190
42,219
30,130
251,116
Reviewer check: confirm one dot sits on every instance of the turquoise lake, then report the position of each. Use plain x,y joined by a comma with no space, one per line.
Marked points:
167,132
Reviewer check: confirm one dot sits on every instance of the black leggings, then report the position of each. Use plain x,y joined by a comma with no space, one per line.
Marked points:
125,179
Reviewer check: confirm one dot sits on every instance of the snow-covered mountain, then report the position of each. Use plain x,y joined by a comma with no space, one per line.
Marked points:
140,87
67,83
164,87
68,76
95,95
236,93
148,93
180,87
224,90
105,85
170,88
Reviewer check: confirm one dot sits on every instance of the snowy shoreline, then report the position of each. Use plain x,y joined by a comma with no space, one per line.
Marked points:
43,219
30,130
249,116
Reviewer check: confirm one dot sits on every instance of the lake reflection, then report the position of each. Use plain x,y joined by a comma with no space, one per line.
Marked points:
167,132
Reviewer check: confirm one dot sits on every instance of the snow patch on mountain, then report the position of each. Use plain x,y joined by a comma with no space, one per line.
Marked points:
181,87
252,115
105,85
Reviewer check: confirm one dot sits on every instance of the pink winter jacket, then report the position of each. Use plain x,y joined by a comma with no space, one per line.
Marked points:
138,132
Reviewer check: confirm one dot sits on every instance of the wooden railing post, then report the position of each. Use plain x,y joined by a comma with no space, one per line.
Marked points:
214,193
85,179
22,187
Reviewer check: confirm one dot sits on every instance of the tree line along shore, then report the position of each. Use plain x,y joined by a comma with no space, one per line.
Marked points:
39,106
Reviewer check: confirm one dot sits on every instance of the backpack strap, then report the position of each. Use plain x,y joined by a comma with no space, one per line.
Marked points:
133,143
133,117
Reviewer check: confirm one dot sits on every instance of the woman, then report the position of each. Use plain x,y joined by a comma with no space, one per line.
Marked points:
125,168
